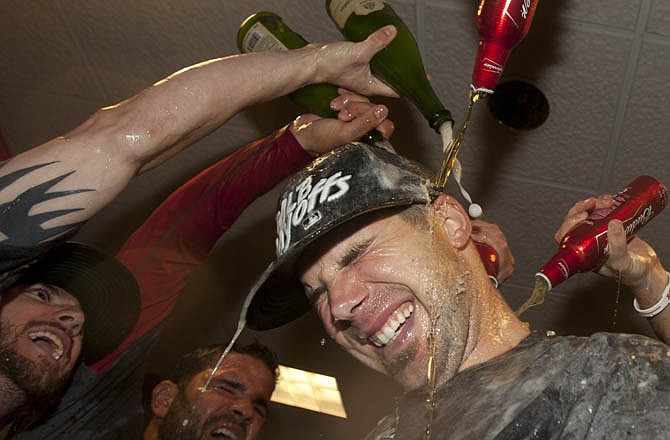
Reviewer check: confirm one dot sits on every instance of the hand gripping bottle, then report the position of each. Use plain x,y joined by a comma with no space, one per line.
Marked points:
399,64
585,246
502,24
267,31
489,257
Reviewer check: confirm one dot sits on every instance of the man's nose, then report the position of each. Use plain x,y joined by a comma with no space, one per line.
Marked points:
71,317
346,297
243,410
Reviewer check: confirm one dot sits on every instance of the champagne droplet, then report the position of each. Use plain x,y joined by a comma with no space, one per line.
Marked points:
475,210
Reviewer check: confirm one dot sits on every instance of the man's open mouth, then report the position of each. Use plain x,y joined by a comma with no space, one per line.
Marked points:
393,325
223,433
48,342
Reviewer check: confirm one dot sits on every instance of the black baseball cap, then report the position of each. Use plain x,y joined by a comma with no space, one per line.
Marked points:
106,290
347,182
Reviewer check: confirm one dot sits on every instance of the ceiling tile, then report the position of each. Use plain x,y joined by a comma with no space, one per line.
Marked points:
618,14
644,135
659,18
581,73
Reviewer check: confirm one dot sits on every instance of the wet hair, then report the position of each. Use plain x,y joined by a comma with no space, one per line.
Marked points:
415,215
203,358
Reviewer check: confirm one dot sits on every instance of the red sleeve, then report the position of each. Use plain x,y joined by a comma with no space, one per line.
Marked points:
179,234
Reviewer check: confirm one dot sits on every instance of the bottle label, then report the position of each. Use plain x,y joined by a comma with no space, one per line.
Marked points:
340,10
564,268
259,39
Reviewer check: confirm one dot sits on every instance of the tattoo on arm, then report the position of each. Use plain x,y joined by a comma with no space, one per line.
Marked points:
17,225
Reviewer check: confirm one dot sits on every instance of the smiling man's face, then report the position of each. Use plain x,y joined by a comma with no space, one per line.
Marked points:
41,333
381,287
234,406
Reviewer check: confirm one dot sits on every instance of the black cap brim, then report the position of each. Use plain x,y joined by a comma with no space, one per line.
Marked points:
106,290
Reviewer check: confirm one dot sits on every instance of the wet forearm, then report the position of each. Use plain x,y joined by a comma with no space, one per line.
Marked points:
648,296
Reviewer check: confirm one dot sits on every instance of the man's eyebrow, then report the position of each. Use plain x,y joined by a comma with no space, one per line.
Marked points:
231,383
356,251
314,294
56,290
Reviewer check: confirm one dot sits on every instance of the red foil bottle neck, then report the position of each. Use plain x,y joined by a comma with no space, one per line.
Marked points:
558,268
489,65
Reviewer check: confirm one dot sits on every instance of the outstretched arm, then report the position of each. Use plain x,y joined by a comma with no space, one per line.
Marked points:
50,189
179,234
635,261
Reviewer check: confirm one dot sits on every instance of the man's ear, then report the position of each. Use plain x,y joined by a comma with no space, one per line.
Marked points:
162,396
454,219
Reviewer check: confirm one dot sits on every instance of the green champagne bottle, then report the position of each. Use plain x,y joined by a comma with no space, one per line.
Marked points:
399,64
267,31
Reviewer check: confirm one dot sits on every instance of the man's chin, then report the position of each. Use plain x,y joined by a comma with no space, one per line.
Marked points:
38,380
407,369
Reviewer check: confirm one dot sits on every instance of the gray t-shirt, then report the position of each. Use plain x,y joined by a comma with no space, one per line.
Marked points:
606,386
101,405
97,405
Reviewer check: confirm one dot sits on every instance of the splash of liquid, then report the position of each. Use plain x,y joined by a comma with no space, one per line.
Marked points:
446,133
454,145
241,323
435,303
431,402
616,302
537,297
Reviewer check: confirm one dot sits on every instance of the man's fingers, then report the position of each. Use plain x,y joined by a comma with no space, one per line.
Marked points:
302,121
569,222
622,259
617,244
373,117
386,128
353,109
345,98
378,40
375,42
604,201
491,234
379,88
577,213
584,205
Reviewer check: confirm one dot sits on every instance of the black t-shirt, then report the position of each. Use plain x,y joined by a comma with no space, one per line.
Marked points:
606,386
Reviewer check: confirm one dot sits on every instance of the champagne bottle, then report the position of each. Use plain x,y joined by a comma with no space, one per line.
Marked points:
502,24
585,246
267,31
399,64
